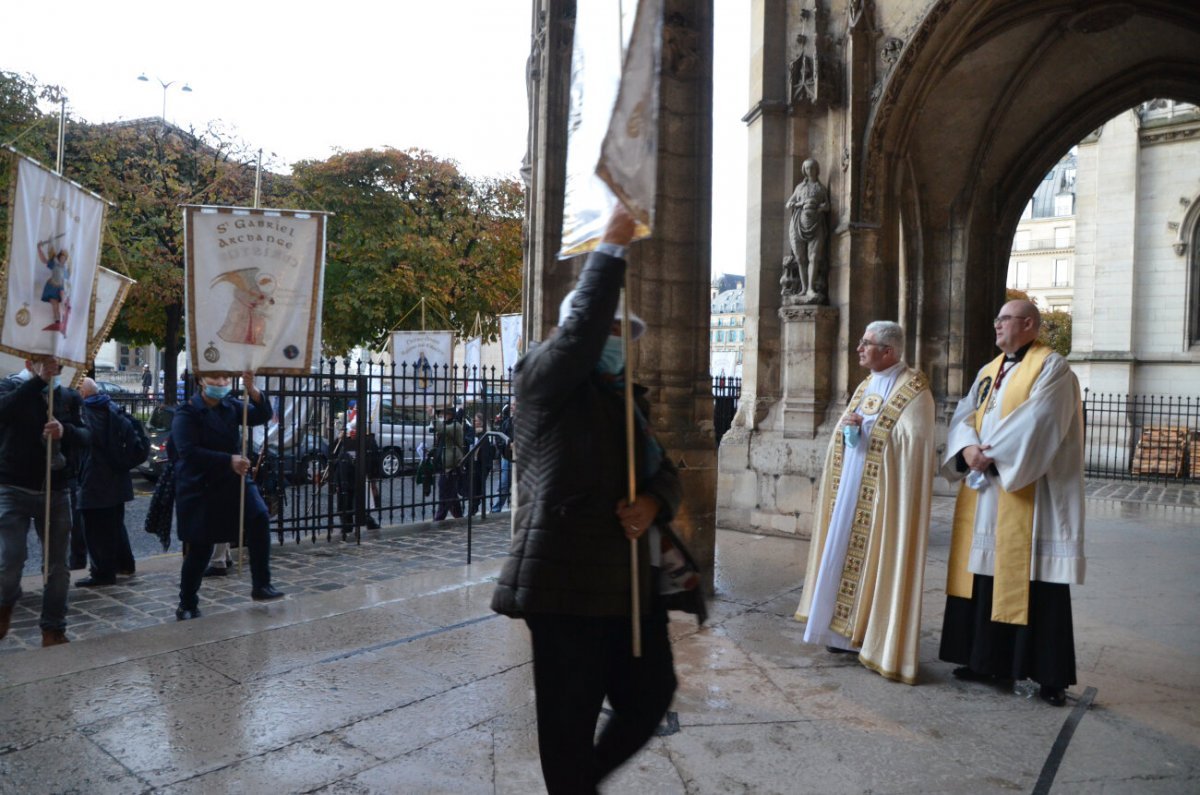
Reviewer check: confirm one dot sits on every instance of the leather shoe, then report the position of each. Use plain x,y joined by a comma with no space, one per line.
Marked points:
265,592
836,650
5,619
1054,696
93,582
184,614
967,674
54,637
216,571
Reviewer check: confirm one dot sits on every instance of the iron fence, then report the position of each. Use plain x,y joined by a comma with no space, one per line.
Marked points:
1142,437
322,477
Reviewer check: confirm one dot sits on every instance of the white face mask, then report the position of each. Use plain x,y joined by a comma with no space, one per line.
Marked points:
612,358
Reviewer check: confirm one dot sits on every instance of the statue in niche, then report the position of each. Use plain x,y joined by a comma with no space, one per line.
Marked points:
805,269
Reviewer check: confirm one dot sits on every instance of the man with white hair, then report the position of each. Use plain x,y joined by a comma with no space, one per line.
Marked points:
866,562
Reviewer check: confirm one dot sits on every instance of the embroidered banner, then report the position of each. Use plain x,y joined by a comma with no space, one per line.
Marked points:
423,357
254,280
510,341
612,128
53,254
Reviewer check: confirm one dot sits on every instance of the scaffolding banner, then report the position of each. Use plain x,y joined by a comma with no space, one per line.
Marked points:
422,357
612,128
254,281
53,254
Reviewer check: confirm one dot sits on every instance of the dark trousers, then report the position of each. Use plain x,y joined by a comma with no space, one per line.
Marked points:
107,541
79,550
577,662
258,544
448,499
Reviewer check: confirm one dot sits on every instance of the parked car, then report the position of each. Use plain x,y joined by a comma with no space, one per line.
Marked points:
400,431
158,428
303,461
110,388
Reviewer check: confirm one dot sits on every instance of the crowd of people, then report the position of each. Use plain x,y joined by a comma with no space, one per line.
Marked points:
1015,447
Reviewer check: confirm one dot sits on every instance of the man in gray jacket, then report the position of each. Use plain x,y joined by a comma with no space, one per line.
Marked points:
568,574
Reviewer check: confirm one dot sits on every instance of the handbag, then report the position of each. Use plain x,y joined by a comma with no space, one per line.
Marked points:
679,577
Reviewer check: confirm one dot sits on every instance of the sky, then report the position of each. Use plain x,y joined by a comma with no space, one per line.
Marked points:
302,80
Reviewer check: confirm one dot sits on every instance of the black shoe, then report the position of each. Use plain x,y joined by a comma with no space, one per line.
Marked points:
126,573
265,592
1054,696
94,581
836,650
216,571
372,524
184,614
967,674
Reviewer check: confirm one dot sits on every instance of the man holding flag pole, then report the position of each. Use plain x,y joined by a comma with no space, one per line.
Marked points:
53,221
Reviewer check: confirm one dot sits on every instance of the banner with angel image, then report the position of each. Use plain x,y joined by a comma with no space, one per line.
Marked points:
54,251
424,357
254,281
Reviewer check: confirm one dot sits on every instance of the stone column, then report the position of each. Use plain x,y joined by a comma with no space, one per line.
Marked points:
809,342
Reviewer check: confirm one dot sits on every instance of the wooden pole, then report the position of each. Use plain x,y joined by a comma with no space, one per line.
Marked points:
242,495
46,506
631,468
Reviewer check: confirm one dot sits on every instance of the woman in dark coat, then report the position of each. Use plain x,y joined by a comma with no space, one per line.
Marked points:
209,470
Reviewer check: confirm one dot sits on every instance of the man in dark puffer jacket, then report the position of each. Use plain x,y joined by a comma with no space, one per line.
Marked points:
568,574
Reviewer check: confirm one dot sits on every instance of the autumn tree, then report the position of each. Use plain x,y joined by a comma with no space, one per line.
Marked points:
408,226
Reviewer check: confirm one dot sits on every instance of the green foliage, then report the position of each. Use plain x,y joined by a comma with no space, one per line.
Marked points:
408,226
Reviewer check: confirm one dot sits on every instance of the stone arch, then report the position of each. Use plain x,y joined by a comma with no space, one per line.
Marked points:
982,101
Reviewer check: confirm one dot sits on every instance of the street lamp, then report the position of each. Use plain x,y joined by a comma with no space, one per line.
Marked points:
165,85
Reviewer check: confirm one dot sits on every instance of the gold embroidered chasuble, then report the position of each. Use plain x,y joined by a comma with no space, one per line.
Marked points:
878,602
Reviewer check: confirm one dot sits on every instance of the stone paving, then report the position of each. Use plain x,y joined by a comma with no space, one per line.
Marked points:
410,684
151,596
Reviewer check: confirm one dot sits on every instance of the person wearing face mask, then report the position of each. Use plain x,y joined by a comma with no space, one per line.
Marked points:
24,430
568,571
209,472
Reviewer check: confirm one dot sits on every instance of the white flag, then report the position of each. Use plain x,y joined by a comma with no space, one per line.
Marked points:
53,254
613,121
254,281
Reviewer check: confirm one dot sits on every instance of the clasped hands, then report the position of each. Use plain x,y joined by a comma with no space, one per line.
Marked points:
976,457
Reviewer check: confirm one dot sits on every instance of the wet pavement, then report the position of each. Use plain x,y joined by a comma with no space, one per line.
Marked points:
381,674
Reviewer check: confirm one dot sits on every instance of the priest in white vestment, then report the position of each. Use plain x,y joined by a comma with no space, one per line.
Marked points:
866,561
1016,443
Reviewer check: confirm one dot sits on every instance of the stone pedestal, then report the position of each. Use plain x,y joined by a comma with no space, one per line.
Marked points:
809,338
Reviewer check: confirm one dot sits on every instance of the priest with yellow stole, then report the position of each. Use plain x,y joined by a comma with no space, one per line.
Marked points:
866,562
1016,442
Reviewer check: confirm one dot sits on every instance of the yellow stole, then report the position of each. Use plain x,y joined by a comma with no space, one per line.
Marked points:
1014,511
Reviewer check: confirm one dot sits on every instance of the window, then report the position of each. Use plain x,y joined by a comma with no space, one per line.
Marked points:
1062,272
1064,204
1018,276
1062,237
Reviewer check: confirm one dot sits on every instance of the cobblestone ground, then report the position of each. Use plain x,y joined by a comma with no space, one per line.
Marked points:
1154,493
150,597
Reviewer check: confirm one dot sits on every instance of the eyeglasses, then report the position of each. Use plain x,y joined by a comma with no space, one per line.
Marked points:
866,343
1000,321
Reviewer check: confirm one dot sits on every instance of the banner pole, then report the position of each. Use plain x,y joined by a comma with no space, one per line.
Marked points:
46,506
631,468
242,511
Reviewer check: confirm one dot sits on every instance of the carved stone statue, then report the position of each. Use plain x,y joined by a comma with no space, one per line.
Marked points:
806,268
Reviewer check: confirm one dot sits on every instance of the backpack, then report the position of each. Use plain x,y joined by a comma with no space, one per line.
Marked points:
128,444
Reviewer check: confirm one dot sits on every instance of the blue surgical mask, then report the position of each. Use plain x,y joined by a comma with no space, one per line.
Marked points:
612,358
52,385
216,392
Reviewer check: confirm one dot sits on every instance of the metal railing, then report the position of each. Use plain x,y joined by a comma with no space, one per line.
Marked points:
1150,438
726,393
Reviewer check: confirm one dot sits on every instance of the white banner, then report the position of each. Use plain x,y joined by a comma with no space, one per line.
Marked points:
598,60
510,341
108,297
422,357
54,250
722,363
254,281
473,376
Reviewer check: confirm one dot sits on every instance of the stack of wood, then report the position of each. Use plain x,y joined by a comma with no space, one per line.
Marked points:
1160,451
1194,455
